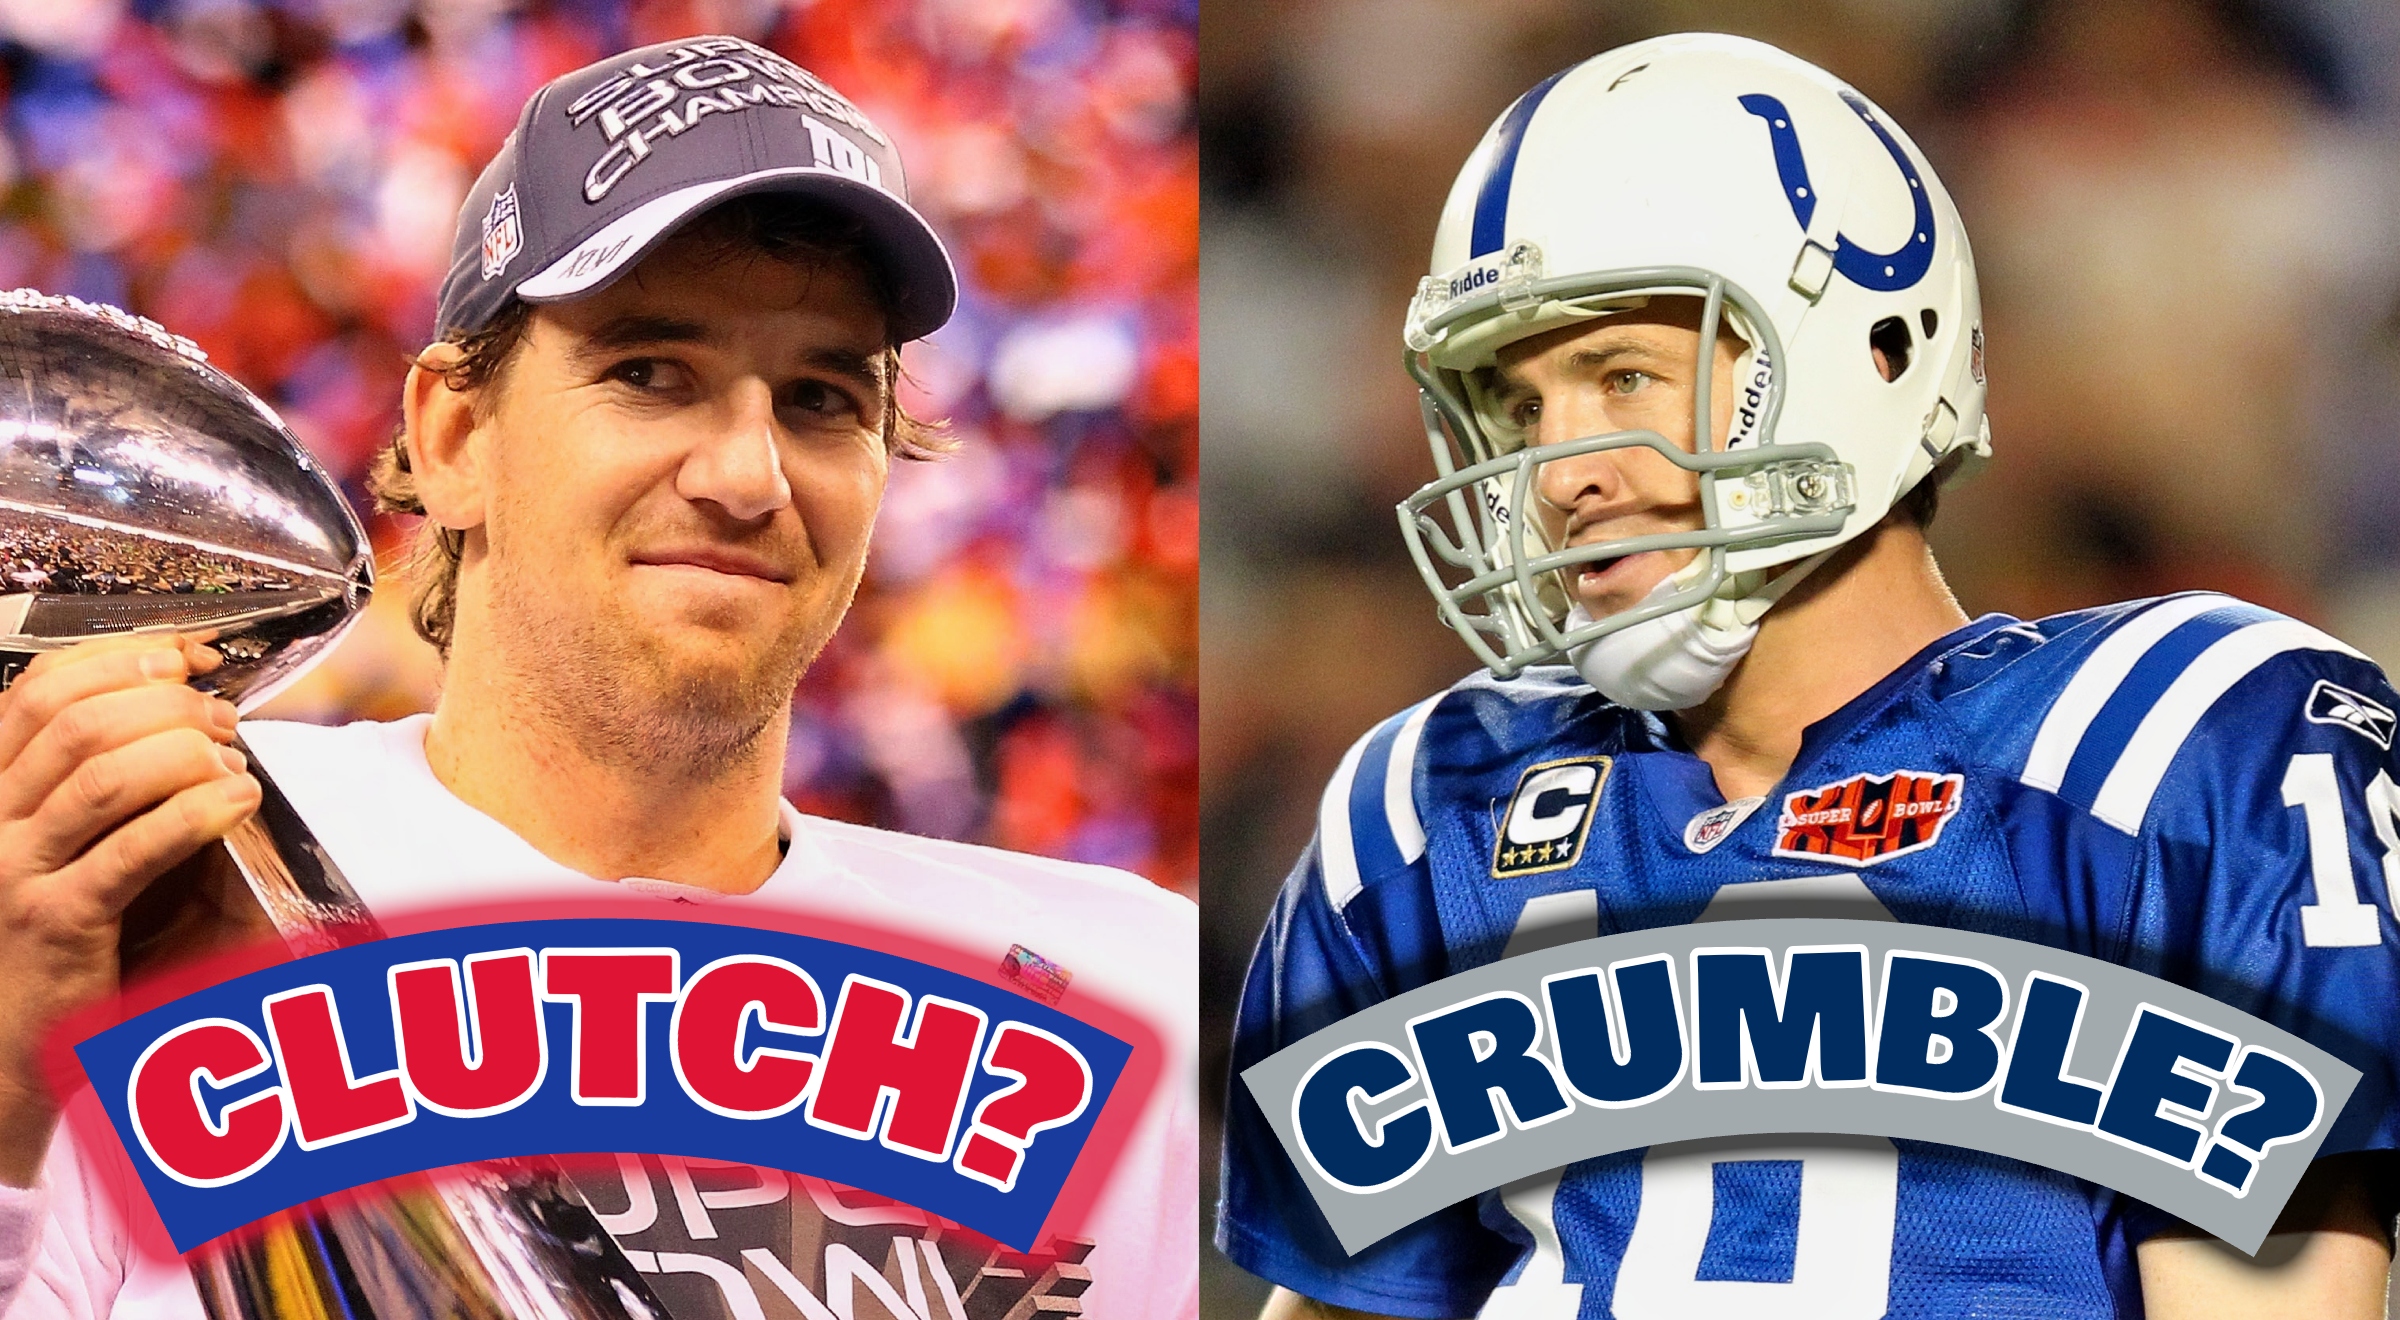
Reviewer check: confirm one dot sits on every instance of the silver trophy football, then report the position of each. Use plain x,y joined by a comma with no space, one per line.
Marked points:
143,490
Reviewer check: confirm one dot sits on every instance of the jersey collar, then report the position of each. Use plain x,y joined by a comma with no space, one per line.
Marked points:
1685,785
1925,662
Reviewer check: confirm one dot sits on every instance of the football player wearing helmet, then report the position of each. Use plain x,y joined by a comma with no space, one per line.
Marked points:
1700,343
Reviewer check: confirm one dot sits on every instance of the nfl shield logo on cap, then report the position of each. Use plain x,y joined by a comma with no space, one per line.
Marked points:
503,237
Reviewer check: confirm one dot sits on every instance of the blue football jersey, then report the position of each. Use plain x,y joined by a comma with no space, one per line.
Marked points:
2192,786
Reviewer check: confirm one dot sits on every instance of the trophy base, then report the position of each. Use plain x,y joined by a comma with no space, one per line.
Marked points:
500,1241
504,1240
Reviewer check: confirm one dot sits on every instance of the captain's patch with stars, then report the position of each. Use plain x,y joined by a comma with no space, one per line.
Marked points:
1549,816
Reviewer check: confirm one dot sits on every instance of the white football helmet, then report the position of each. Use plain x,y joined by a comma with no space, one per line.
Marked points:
1725,169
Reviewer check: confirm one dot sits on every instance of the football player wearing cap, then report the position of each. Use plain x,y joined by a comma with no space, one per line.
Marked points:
649,447
1700,343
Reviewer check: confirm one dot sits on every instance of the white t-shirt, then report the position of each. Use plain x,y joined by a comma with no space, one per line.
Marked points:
406,843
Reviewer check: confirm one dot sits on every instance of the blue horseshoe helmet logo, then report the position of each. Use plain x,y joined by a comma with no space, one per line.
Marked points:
1884,272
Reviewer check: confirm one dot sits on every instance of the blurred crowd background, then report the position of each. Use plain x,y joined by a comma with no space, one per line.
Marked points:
2186,215
278,179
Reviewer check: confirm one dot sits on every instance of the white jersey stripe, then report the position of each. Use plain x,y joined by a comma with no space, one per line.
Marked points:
2080,703
1337,854
1399,786
2125,797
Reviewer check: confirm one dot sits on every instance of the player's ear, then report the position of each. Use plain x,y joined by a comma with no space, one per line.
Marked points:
440,421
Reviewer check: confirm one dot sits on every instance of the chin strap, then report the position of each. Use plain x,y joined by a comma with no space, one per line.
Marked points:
1679,660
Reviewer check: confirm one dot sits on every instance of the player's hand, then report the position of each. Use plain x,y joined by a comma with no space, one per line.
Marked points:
112,770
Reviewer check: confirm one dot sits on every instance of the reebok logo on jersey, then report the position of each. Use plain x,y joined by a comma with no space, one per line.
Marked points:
2331,703
1549,816
1710,827
1867,819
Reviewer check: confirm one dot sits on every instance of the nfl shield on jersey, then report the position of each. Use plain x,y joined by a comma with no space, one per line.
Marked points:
2193,787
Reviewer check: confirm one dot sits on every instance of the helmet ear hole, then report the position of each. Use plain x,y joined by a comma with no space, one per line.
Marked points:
1931,323
1890,345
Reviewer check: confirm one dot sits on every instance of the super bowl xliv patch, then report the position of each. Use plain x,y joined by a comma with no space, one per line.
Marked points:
1710,827
1549,816
1867,819
2331,703
503,233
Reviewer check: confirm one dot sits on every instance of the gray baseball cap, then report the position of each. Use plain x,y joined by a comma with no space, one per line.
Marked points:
608,160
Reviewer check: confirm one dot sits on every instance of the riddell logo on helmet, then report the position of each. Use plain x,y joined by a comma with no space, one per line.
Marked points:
1495,505
1754,400
1867,819
1482,277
